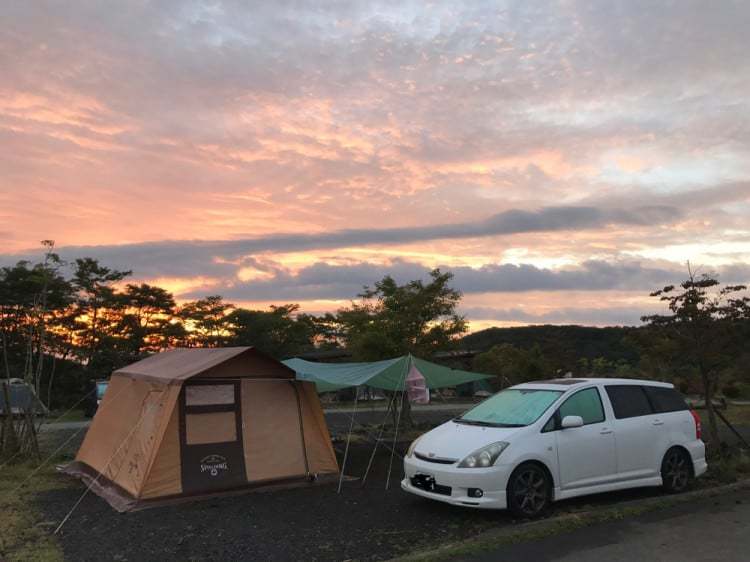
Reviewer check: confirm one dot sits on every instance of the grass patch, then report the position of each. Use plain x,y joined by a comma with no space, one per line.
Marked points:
24,535
735,413
732,467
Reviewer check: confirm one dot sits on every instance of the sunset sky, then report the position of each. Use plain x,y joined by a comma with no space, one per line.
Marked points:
563,159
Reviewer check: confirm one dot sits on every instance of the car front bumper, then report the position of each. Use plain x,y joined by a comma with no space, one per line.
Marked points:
492,481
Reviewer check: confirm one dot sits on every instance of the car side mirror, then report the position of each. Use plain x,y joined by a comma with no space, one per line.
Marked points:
569,422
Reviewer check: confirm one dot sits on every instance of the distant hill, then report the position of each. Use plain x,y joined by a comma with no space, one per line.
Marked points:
563,344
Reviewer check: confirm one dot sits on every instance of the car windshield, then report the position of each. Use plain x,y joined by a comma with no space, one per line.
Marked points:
514,407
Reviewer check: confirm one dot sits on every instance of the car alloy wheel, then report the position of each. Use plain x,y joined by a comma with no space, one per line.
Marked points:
675,471
529,491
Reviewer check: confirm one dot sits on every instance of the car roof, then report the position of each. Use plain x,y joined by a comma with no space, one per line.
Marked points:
566,384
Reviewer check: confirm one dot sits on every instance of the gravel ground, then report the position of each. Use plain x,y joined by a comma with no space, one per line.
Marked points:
313,523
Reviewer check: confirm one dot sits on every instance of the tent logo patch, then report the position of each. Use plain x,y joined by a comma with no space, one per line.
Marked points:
213,464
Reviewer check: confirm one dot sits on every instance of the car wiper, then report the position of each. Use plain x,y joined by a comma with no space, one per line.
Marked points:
470,422
486,424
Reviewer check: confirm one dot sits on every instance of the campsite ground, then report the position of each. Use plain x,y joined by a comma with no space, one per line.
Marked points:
314,523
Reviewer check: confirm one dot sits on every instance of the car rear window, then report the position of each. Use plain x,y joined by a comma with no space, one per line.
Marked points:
665,399
628,401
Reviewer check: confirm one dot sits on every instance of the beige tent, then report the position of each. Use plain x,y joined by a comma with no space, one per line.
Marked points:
191,422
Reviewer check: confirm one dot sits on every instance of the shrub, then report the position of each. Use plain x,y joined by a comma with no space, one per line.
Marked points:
732,390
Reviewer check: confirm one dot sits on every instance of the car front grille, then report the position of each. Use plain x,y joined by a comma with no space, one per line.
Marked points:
438,460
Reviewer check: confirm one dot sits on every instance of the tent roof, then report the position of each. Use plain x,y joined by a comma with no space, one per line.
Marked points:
387,375
177,365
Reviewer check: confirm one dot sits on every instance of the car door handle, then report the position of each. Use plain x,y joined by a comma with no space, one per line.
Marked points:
605,431
657,422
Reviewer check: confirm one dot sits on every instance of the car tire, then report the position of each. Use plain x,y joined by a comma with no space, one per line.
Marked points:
529,491
676,471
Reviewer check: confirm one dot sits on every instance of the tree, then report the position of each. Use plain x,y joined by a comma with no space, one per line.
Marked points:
206,322
704,321
149,313
394,319
513,365
31,298
276,332
33,302
98,313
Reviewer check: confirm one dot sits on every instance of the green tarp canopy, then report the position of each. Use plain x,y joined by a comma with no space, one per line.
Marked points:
387,375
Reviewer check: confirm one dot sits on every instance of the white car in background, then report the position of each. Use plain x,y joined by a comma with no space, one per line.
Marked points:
544,441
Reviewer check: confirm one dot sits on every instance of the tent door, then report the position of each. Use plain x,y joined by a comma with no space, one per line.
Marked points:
212,456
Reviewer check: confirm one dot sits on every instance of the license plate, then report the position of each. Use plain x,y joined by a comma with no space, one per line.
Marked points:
424,481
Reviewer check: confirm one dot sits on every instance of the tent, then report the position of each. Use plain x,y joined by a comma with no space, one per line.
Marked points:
193,422
408,373
402,373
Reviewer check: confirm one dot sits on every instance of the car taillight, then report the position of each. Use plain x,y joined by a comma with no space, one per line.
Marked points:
697,419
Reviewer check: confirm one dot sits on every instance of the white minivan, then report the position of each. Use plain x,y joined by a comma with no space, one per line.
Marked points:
543,441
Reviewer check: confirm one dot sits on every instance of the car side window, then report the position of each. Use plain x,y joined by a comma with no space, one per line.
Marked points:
585,403
628,401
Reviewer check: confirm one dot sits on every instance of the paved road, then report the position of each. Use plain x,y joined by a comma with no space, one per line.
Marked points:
338,420
434,414
709,529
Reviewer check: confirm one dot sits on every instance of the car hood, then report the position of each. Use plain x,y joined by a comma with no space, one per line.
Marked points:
455,440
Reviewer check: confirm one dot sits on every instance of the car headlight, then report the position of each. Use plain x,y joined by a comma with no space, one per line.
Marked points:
410,450
484,457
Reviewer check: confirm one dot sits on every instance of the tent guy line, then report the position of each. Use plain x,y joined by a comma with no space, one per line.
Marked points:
111,458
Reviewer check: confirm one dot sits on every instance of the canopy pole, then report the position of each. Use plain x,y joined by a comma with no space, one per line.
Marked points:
398,422
348,439
382,426
377,441
391,404
364,429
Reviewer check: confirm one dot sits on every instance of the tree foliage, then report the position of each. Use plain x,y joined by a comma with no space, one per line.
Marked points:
280,332
392,319
704,326
513,365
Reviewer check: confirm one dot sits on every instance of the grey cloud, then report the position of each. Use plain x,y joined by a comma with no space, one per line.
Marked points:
615,316
186,257
324,281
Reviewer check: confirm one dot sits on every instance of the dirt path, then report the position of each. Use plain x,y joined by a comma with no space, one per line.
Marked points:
706,530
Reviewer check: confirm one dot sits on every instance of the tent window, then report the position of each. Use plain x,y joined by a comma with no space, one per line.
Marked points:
208,395
217,427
